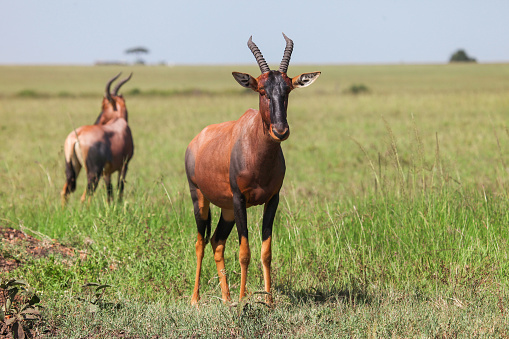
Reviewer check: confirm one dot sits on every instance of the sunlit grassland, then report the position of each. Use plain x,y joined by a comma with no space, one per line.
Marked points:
394,207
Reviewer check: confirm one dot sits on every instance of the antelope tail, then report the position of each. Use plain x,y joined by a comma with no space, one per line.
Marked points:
72,164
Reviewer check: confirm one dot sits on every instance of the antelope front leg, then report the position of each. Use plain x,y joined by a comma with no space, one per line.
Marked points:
268,220
218,241
239,205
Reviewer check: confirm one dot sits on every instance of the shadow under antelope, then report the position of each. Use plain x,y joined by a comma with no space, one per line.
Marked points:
102,148
238,164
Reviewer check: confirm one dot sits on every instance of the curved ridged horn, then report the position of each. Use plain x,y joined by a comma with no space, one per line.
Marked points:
286,56
258,55
115,91
107,94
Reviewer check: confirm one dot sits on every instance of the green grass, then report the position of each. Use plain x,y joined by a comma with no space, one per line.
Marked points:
392,220
391,314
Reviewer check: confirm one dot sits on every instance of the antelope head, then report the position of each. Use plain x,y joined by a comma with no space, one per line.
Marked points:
274,88
113,105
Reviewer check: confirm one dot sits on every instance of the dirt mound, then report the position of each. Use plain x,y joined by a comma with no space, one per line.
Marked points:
17,246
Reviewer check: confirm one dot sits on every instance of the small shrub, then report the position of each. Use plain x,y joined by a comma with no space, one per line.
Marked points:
94,297
357,89
28,93
65,94
167,93
19,309
134,91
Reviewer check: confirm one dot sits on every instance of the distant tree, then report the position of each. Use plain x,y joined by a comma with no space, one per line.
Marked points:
137,51
461,56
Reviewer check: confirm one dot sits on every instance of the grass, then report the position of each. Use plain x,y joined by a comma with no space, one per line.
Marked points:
392,314
392,221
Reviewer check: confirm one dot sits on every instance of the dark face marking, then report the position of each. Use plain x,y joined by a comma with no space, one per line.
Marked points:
276,88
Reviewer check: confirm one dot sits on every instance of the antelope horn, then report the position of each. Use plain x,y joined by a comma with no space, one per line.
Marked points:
286,56
258,55
107,94
115,91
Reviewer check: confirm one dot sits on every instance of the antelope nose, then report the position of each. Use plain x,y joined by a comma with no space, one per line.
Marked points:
281,132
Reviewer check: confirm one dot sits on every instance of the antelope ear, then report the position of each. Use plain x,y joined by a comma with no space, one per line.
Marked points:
246,80
305,79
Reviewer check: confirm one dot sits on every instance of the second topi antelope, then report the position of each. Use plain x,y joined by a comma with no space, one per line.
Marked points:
102,148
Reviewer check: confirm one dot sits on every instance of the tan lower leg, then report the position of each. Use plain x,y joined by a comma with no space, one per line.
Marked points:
218,249
200,249
266,262
64,195
84,196
244,259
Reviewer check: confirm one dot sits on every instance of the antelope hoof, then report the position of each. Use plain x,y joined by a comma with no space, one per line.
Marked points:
194,300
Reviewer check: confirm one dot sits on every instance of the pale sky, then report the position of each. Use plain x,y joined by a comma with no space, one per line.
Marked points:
216,32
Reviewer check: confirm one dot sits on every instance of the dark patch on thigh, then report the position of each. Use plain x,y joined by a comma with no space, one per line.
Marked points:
98,155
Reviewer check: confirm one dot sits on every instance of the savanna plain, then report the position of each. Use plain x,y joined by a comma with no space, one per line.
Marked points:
393,218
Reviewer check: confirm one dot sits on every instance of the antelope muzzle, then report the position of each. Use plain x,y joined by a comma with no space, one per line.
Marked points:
279,132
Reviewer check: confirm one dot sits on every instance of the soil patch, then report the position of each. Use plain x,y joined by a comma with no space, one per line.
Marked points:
18,246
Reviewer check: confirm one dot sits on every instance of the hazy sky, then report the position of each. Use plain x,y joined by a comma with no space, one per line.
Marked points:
216,32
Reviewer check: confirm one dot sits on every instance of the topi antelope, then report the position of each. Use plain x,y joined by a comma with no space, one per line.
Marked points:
238,164
102,148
